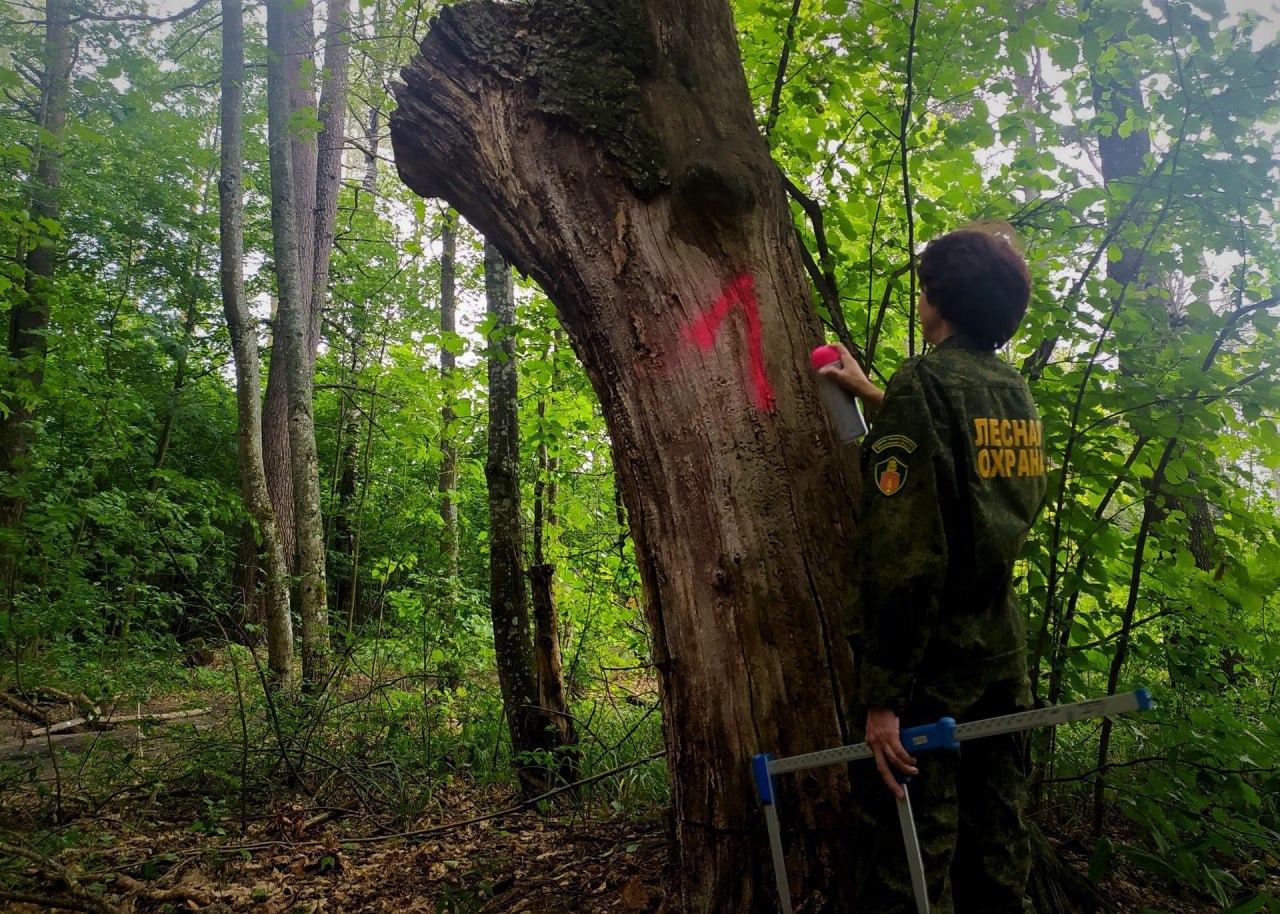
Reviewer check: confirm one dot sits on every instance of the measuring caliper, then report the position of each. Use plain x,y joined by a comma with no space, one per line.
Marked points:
941,734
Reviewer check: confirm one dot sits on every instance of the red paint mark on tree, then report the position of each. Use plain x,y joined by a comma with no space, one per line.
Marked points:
740,295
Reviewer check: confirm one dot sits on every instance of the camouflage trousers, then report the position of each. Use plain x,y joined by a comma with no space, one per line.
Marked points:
967,808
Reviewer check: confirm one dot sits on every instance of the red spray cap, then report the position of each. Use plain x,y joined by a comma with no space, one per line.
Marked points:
824,355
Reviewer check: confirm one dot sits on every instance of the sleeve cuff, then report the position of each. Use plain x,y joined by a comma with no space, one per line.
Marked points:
880,688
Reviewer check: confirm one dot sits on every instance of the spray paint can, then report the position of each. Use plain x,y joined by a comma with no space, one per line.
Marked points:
842,406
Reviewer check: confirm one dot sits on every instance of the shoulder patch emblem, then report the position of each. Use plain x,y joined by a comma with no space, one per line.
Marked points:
898,441
891,474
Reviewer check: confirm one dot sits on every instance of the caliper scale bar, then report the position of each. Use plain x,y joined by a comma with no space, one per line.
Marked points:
941,734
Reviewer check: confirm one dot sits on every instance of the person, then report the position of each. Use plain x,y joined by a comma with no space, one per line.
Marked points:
953,476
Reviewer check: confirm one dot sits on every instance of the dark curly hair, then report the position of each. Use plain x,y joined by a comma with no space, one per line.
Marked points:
978,282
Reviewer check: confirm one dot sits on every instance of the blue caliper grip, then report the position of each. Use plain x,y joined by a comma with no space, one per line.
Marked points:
1144,699
764,781
941,734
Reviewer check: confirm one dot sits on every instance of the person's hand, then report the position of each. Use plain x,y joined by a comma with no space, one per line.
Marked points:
849,373
885,741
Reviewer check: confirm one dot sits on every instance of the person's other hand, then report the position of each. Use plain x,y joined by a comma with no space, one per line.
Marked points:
885,740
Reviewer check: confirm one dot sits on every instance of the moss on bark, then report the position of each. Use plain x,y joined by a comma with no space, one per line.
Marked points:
582,61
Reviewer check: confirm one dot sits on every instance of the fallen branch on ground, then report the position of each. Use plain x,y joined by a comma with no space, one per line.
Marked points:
57,728
44,901
18,706
79,699
83,898
65,742
110,723
150,893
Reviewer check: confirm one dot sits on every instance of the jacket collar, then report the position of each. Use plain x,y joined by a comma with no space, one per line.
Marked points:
959,340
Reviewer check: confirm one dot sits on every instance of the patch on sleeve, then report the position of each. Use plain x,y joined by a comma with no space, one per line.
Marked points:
898,441
891,475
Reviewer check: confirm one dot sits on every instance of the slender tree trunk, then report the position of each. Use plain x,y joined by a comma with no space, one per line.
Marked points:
327,175
314,169
328,165
292,335
275,446
1062,649
552,695
346,481
544,488
191,318
530,727
1150,510
29,316
447,591
315,163
1122,159
369,182
244,345
365,475
649,210
346,475
189,322
448,434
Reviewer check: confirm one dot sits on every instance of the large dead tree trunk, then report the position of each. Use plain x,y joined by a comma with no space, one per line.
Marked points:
244,345
609,149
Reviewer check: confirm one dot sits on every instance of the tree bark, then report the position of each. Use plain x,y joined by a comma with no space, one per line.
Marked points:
346,479
531,729
29,316
292,334
315,163
190,319
552,695
328,166
630,180
544,487
448,443
346,536
244,345
327,172
275,446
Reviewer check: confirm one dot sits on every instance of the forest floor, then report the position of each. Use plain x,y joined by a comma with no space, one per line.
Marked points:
482,854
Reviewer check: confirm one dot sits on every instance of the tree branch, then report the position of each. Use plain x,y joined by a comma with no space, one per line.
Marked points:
823,277
140,17
906,174
44,901
1141,622
781,78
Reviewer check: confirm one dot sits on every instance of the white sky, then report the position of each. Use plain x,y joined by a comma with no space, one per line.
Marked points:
1270,12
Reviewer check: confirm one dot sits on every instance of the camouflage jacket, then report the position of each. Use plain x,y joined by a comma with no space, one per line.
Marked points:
953,475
